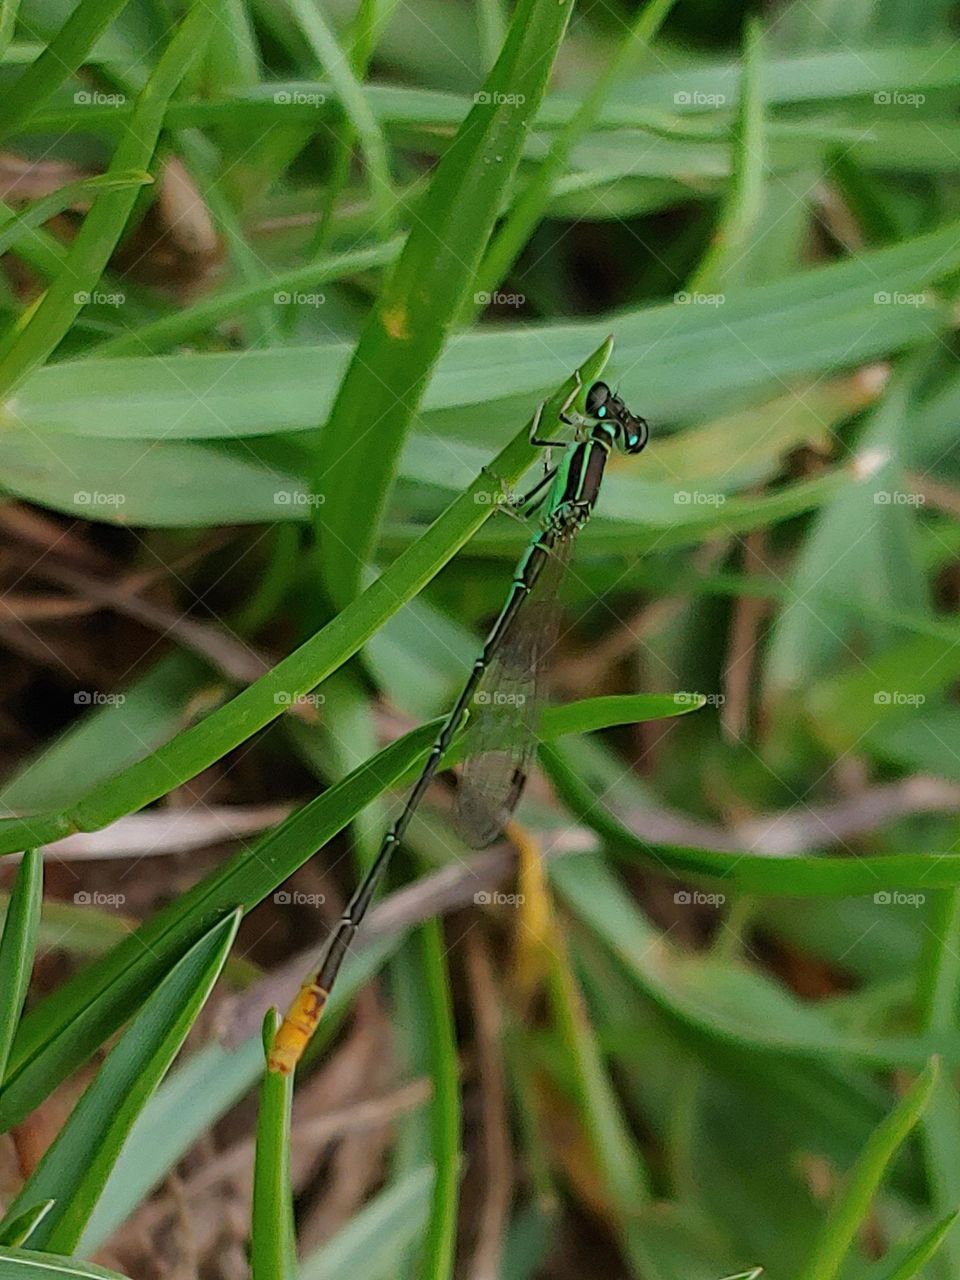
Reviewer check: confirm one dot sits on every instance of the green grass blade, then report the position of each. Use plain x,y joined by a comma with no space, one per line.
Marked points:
404,336
58,61
352,99
743,205
853,1203
529,208
919,1252
19,1229
75,1167
383,1231
272,1250
44,326
441,1233
17,1264
13,226
18,944
178,326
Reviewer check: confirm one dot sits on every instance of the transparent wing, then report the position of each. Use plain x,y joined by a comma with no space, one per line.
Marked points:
500,737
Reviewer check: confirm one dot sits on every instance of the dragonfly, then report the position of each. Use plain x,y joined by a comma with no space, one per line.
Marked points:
501,693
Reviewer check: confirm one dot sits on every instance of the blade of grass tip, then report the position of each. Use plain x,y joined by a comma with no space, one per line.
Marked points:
272,1237
743,201
181,325
846,1217
45,325
441,1234
353,100
919,1253
21,1228
14,226
58,61
18,944
938,990
256,706
76,1165
404,336
528,209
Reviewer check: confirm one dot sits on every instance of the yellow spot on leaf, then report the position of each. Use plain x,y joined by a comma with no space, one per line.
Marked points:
395,323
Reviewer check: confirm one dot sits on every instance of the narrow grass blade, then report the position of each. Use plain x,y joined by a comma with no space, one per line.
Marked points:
183,324
403,338
529,208
441,1233
723,264
272,1248
58,61
75,1167
19,1230
919,1252
19,1264
853,1203
13,226
18,944
383,1231
352,98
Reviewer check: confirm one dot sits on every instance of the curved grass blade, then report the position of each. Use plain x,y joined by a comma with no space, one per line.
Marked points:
75,1167
22,1264
501,736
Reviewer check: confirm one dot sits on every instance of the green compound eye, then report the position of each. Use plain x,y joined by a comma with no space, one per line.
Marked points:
602,412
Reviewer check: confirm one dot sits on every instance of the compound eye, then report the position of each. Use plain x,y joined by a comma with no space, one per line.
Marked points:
597,398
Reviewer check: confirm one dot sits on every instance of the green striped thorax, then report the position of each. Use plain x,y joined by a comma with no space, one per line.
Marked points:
605,425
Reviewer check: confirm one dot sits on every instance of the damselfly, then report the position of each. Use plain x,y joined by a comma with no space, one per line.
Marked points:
502,685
